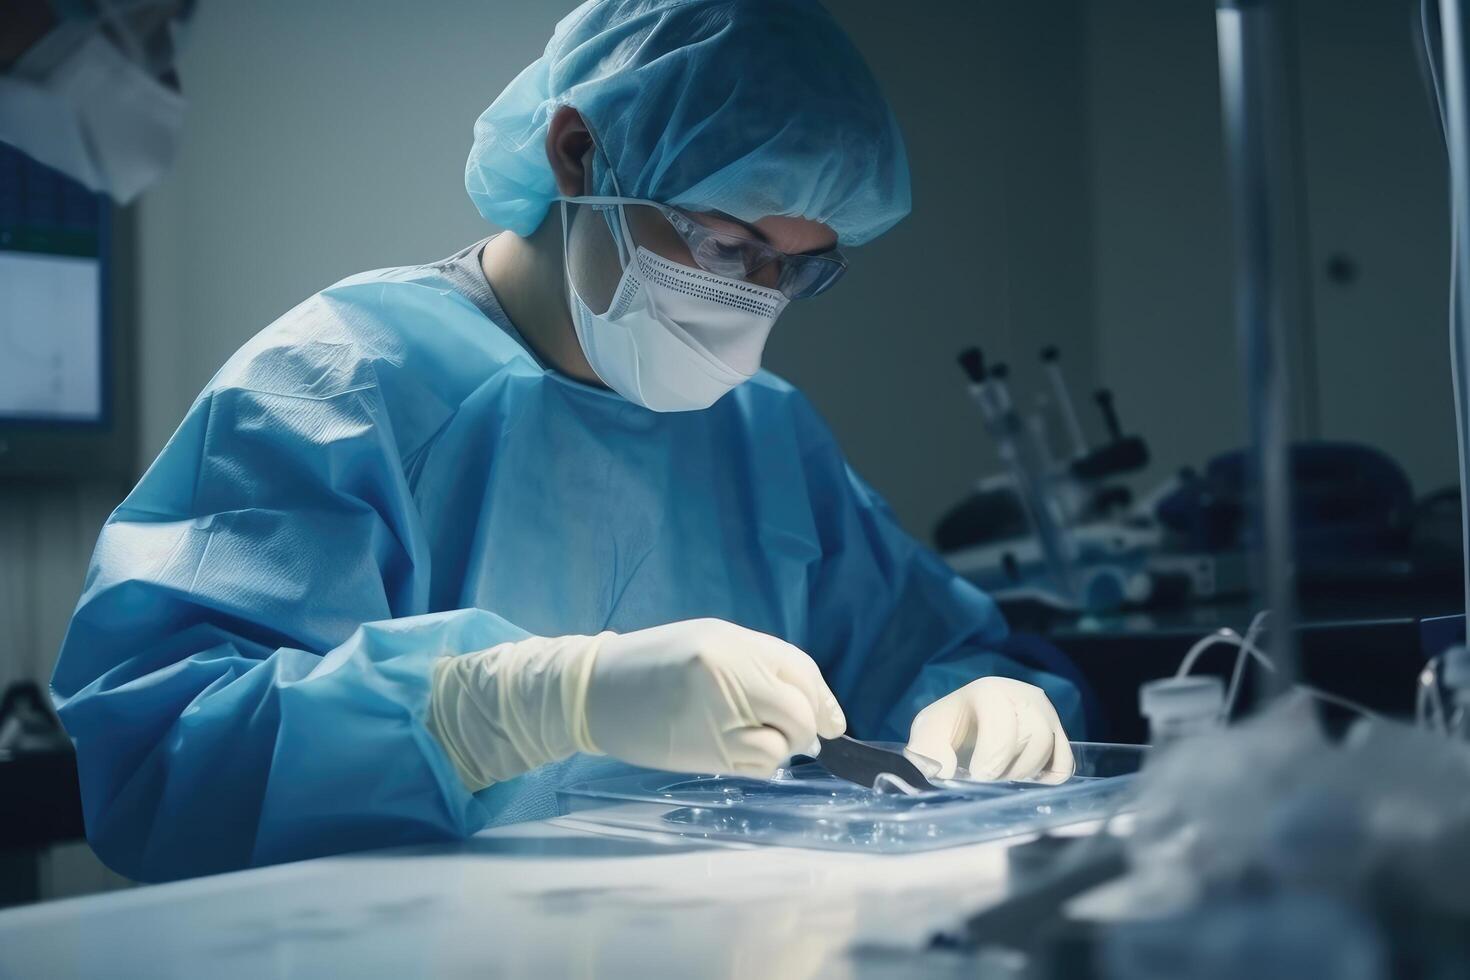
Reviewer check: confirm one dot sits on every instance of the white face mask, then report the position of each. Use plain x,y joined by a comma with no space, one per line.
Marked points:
95,115
674,338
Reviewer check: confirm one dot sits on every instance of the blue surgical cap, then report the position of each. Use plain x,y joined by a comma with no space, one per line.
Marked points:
751,107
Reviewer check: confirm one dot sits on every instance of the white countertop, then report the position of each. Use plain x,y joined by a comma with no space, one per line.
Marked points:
545,900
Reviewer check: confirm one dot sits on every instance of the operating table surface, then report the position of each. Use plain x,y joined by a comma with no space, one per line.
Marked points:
543,899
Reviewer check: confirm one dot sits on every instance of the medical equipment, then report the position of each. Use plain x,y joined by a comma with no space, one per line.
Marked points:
1456,673
1353,515
1051,362
1030,479
66,343
1272,813
1259,141
1444,43
1190,696
1064,869
1181,707
1048,528
806,806
1121,454
1448,76
1267,848
864,763
27,724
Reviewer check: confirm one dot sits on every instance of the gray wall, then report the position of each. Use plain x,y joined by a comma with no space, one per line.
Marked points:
323,139
1370,364
1377,193
47,531
1161,248
995,253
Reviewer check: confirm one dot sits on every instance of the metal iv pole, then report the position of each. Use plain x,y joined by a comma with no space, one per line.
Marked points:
1456,119
1256,105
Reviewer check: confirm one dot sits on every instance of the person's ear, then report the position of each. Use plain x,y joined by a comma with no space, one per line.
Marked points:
568,143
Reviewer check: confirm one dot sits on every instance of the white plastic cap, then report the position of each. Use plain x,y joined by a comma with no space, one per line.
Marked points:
1182,697
1457,667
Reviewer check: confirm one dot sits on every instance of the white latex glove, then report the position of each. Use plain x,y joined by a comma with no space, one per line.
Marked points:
697,696
707,696
995,727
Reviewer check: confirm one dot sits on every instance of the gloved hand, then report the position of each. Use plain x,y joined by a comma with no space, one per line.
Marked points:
702,695
997,728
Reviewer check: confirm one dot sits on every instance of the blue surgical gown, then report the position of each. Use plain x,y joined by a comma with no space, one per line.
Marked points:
386,475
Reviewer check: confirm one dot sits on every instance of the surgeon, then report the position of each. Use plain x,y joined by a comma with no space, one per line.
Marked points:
444,538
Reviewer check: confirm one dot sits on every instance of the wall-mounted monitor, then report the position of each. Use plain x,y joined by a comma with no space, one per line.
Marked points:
64,405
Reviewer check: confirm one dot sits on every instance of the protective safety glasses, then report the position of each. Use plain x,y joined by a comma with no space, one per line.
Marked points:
679,236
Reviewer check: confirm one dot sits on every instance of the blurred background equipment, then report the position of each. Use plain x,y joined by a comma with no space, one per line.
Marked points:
1063,528
88,87
1284,845
1054,526
39,805
66,391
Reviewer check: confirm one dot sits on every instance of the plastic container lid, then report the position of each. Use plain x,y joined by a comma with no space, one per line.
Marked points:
809,807
1182,697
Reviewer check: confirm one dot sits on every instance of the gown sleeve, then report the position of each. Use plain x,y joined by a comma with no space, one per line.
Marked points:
246,674
892,625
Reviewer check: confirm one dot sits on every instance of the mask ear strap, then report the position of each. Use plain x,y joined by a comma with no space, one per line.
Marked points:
566,255
617,224
600,157
622,236
613,222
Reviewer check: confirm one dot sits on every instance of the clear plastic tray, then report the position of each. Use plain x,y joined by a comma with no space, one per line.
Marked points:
807,807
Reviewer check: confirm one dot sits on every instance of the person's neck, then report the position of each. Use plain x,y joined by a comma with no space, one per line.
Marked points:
527,277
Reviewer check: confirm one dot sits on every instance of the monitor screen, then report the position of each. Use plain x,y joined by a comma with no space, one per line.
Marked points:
52,309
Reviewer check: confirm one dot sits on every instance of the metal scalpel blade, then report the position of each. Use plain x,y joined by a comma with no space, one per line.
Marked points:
861,763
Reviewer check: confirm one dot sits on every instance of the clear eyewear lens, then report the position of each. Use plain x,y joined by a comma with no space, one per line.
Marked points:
740,257
805,276
667,231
